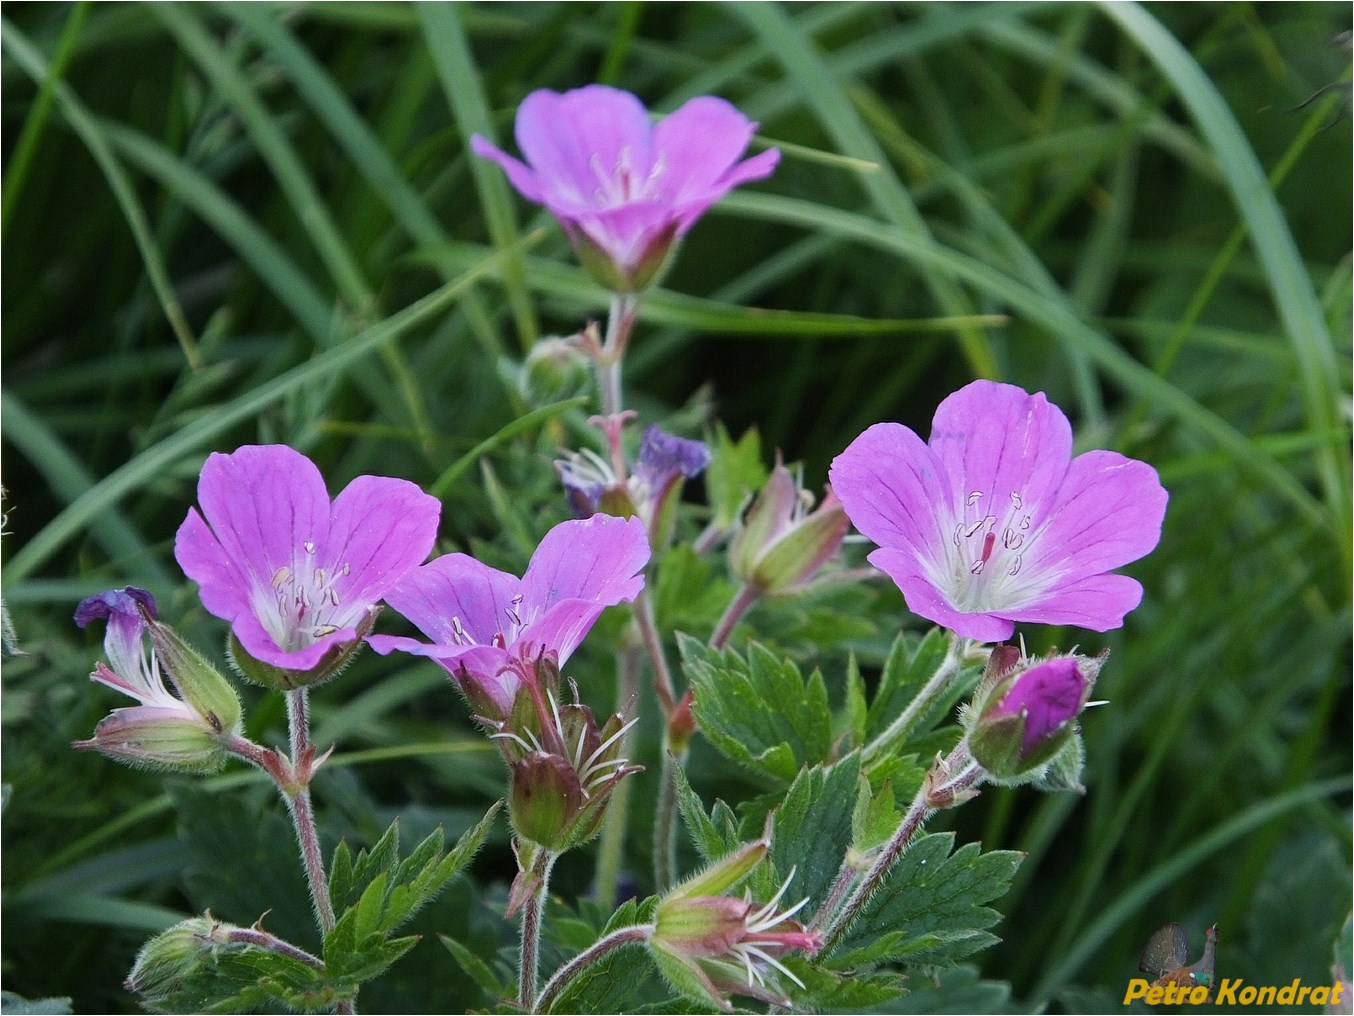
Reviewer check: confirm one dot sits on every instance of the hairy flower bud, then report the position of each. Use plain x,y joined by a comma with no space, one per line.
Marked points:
781,545
1024,714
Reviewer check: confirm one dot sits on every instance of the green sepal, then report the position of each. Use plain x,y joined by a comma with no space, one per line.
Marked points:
196,680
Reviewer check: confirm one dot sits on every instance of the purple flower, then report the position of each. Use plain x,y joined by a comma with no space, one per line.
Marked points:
622,189
652,489
130,669
293,573
485,623
994,522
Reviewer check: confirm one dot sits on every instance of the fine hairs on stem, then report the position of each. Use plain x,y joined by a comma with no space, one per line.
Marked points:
532,912
617,939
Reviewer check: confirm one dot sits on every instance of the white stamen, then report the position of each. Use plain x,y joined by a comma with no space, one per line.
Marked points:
608,742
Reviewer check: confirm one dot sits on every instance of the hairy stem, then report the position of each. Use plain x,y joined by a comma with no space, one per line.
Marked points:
665,818
618,939
302,815
746,597
611,850
620,322
923,701
846,878
264,940
653,645
532,912
946,780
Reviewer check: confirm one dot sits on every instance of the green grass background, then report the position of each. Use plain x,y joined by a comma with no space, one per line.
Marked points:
229,223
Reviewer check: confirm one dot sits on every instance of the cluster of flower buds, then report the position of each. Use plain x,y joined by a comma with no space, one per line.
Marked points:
651,489
1023,715
782,544
564,765
184,730
712,945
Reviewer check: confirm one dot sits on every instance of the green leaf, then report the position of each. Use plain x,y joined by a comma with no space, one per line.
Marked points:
929,910
758,710
856,991
734,473
382,892
855,717
876,817
912,661
620,981
705,835
480,971
813,829
959,990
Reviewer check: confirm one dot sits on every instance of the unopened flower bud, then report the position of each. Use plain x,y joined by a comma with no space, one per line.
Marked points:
555,368
1025,715
781,545
169,959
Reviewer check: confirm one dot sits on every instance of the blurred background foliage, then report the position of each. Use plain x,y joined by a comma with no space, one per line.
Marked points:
216,218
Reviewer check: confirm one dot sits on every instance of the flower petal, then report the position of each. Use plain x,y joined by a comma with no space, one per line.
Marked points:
486,666
263,503
519,175
997,440
924,599
222,586
380,530
452,589
597,559
579,569
1097,603
1108,512
699,143
261,645
576,141
893,488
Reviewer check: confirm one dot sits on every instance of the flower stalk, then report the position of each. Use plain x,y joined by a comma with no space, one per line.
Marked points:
930,692
533,909
737,607
950,782
605,945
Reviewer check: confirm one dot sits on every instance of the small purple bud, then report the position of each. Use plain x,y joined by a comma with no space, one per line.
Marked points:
1048,696
1025,715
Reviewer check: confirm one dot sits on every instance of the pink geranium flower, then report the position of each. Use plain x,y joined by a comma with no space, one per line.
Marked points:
623,189
293,573
484,623
993,521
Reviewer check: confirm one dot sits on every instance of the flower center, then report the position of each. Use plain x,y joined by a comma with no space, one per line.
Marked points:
622,183
307,603
506,635
984,561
